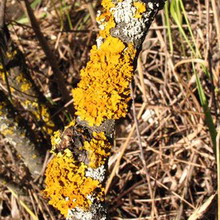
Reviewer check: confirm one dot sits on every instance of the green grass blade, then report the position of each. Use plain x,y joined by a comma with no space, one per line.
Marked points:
198,54
208,116
167,22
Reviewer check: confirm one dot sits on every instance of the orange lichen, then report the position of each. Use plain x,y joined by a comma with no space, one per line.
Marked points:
106,21
141,8
40,112
102,93
67,187
11,54
103,90
55,140
108,4
98,149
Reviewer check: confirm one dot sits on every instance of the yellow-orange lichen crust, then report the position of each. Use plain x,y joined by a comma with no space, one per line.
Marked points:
98,150
67,186
141,7
103,90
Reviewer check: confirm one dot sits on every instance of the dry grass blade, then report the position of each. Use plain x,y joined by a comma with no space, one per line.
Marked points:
28,210
200,211
2,13
216,8
121,153
218,169
154,213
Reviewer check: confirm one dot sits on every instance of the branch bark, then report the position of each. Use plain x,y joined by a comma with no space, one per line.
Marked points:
17,83
12,126
19,135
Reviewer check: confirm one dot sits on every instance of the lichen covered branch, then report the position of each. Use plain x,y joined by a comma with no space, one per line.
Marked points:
19,135
103,92
102,96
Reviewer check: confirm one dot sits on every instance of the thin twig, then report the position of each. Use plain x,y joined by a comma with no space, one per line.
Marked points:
50,56
154,210
218,169
3,42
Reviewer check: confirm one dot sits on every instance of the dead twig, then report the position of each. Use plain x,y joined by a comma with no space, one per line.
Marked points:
50,56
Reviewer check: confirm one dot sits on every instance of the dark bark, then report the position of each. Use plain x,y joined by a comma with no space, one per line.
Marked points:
19,135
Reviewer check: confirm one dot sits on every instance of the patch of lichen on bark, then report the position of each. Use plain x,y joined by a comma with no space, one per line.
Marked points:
98,150
102,93
19,135
103,90
67,186
68,182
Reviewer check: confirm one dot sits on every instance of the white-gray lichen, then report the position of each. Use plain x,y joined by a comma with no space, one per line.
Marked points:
99,41
96,212
97,174
128,27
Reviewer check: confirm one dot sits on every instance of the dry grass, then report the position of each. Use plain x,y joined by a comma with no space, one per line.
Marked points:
162,164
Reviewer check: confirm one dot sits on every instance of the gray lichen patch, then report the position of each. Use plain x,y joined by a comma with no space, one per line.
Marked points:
96,212
97,174
129,27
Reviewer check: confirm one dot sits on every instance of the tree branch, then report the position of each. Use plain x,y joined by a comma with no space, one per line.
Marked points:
19,135
101,97
50,57
16,81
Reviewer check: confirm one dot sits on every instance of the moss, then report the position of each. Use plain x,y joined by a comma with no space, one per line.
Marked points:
67,187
